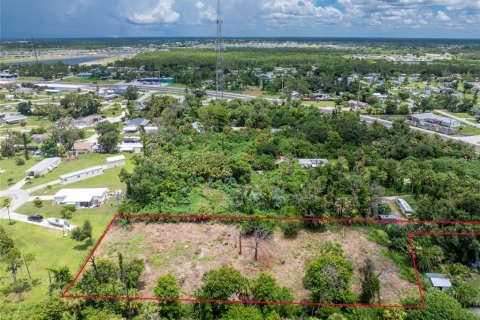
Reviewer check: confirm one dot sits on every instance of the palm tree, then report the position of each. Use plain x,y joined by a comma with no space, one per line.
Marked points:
428,258
6,203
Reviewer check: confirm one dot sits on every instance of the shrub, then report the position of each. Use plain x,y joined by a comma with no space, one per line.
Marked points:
37,202
19,162
291,228
67,212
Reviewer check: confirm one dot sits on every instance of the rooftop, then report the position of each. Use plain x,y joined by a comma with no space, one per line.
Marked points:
76,173
438,280
116,158
44,164
80,195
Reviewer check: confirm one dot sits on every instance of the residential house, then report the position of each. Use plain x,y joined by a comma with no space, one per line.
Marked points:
43,167
82,198
81,175
117,161
82,147
133,125
312,163
355,105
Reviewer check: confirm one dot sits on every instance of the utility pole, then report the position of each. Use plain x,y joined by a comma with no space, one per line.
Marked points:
218,49
36,58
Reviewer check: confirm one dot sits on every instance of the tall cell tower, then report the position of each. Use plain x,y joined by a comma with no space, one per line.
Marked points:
218,49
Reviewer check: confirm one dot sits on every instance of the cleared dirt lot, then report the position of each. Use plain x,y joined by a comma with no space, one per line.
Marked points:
188,250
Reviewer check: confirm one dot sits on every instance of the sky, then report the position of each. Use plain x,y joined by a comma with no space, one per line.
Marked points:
242,18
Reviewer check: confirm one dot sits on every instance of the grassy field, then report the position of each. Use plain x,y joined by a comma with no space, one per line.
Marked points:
83,161
260,93
469,130
319,104
12,171
51,249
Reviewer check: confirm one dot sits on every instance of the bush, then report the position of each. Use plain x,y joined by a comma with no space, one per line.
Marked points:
20,286
67,211
291,228
19,162
37,202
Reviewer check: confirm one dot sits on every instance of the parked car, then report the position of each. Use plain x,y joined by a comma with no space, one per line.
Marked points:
35,218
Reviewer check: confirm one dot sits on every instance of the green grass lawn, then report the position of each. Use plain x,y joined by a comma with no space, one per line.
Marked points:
469,130
109,179
319,104
12,171
83,161
51,249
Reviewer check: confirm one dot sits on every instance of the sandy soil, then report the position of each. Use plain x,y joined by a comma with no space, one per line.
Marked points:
189,250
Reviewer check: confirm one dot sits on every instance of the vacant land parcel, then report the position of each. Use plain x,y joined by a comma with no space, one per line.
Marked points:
189,250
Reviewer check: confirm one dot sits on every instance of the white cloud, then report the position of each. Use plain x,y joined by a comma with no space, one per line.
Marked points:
298,13
442,16
161,13
206,13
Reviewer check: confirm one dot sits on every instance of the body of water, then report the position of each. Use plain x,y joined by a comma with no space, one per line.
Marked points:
52,61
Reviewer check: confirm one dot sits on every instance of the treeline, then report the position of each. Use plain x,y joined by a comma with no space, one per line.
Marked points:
176,63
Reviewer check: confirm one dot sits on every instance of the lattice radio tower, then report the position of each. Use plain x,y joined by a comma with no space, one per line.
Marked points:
219,49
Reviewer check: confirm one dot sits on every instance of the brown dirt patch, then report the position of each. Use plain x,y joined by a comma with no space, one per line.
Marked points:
188,250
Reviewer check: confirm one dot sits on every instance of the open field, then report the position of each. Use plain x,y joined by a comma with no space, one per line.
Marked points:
319,104
51,249
188,250
13,173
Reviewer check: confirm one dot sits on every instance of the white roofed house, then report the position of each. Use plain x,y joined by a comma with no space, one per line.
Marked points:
438,281
43,167
81,175
116,161
357,105
312,163
82,198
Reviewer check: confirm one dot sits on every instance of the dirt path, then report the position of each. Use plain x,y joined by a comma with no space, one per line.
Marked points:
189,250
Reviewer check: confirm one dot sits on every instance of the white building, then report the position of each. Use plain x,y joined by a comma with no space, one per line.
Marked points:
43,167
130,147
312,163
82,198
404,207
116,161
81,175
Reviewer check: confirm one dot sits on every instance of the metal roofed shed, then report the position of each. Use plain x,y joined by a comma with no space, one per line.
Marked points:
404,207
388,217
438,281
81,174
116,161
44,166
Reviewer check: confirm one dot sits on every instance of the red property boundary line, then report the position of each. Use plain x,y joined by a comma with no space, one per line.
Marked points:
236,218
438,233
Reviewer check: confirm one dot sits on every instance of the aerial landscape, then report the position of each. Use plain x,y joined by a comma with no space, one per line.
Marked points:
240,159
